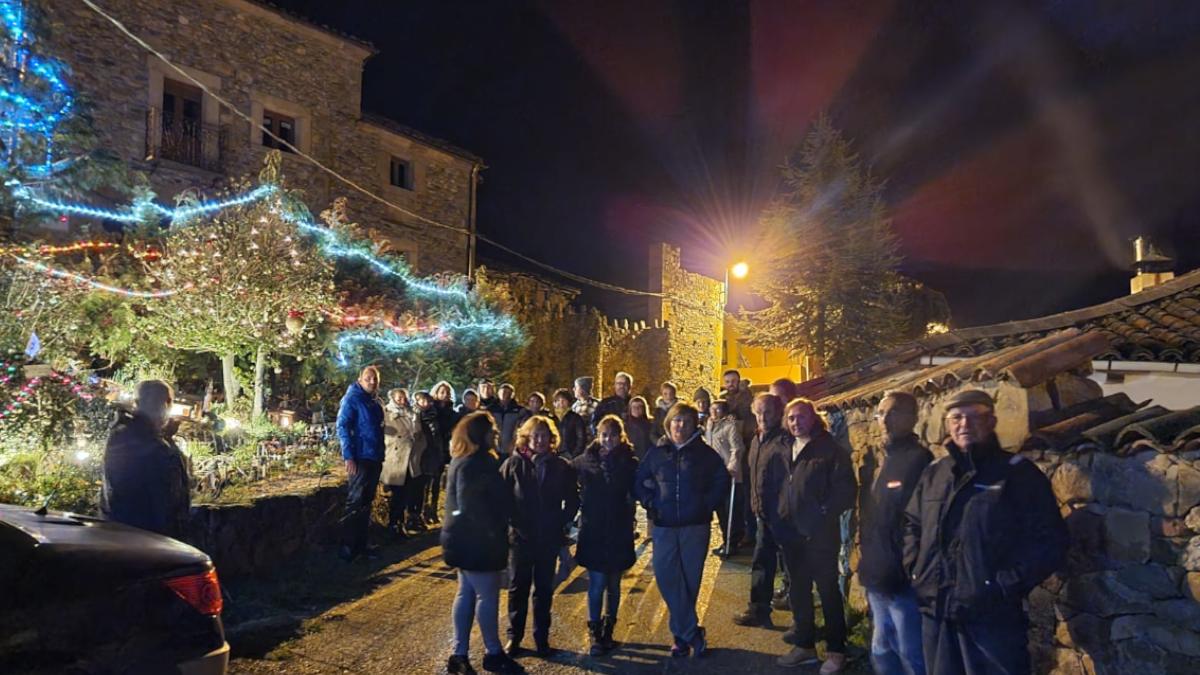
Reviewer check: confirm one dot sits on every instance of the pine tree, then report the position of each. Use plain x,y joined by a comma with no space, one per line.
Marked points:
829,259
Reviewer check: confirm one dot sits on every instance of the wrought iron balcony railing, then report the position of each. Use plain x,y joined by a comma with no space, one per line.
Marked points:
185,141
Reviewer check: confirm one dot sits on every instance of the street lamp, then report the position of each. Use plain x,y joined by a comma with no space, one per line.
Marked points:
739,270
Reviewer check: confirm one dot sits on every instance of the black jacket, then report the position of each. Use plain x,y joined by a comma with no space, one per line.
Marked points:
803,498
433,458
762,448
681,486
641,434
447,418
980,532
541,512
610,405
146,481
572,430
606,509
475,528
881,564
506,417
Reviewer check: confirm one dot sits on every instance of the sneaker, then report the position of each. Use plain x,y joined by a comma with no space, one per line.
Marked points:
799,656
680,649
699,644
753,617
459,665
501,663
834,663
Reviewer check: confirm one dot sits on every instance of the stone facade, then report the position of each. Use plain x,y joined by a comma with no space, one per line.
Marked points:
1128,600
265,64
694,314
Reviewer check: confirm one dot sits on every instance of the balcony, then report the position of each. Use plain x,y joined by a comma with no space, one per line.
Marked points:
184,141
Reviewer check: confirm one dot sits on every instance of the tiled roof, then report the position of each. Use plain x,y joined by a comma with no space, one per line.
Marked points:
1116,424
420,136
1027,364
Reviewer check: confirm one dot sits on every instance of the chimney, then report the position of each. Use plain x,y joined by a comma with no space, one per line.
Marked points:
1150,266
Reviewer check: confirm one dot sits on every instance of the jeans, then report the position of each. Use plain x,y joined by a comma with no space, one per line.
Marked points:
995,646
360,495
678,559
602,585
762,570
530,567
478,598
811,562
896,642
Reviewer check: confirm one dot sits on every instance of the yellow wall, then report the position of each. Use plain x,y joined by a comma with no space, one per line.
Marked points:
760,366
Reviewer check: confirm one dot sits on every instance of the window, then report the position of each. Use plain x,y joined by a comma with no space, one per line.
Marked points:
400,174
282,126
181,123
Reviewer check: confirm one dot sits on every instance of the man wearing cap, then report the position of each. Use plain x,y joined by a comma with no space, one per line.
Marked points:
585,405
981,531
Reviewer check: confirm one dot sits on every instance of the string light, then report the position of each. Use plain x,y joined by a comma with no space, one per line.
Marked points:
36,98
145,210
91,283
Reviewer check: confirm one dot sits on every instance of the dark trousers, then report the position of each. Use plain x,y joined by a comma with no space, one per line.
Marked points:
397,503
997,646
762,570
528,567
435,491
739,500
749,519
415,487
807,563
360,495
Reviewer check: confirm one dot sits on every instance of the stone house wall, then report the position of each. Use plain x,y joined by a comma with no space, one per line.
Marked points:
694,314
256,58
1129,598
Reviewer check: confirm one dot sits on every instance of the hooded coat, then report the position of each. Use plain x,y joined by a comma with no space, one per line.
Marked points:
606,507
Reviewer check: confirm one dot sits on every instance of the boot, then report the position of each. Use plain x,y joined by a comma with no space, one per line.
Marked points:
606,638
595,638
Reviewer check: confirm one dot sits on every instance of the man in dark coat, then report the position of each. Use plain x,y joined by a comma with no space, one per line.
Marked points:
585,404
771,440
146,481
618,403
546,499
571,426
507,413
896,643
981,530
360,432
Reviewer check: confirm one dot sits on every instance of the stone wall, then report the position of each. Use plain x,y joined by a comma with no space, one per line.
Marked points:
1128,600
693,311
258,59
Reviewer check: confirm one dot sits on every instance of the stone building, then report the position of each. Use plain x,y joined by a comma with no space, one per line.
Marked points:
300,80
1127,478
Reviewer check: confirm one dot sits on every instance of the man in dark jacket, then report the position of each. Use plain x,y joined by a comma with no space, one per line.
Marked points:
816,485
546,499
896,644
681,483
585,404
571,426
507,412
771,440
360,432
981,530
618,403
487,394
145,476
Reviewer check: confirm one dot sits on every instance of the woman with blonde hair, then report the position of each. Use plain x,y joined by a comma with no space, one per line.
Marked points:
545,500
606,470
474,540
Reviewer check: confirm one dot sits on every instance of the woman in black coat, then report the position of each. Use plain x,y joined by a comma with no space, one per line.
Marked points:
605,548
475,540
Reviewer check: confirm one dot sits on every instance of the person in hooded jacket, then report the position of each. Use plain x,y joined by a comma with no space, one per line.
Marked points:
470,403
981,530
606,473
360,432
146,481
402,433
702,399
507,413
431,459
545,501
896,640
571,426
447,417
474,540
681,483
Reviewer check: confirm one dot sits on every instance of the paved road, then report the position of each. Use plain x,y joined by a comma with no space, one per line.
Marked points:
403,626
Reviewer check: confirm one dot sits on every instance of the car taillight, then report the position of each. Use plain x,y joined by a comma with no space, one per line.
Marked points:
201,591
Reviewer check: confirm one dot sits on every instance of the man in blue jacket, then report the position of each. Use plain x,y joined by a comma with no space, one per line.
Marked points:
360,431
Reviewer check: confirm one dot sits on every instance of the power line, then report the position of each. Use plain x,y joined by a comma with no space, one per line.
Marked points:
351,183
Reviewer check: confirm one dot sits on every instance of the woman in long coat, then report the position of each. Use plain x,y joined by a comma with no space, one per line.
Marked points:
402,438
605,548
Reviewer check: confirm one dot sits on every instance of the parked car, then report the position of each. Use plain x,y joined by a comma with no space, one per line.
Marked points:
84,595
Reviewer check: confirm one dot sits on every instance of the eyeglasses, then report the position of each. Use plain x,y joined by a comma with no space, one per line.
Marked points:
959,418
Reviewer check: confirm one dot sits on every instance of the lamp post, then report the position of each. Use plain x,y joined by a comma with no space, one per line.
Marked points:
739,270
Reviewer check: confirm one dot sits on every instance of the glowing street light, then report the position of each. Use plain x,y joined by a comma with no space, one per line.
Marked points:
739,270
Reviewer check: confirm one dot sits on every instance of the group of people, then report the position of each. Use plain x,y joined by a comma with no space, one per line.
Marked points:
949,548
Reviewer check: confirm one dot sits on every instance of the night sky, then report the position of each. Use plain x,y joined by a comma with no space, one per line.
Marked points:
1023,143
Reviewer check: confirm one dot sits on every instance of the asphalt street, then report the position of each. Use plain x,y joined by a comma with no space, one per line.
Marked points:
403,626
